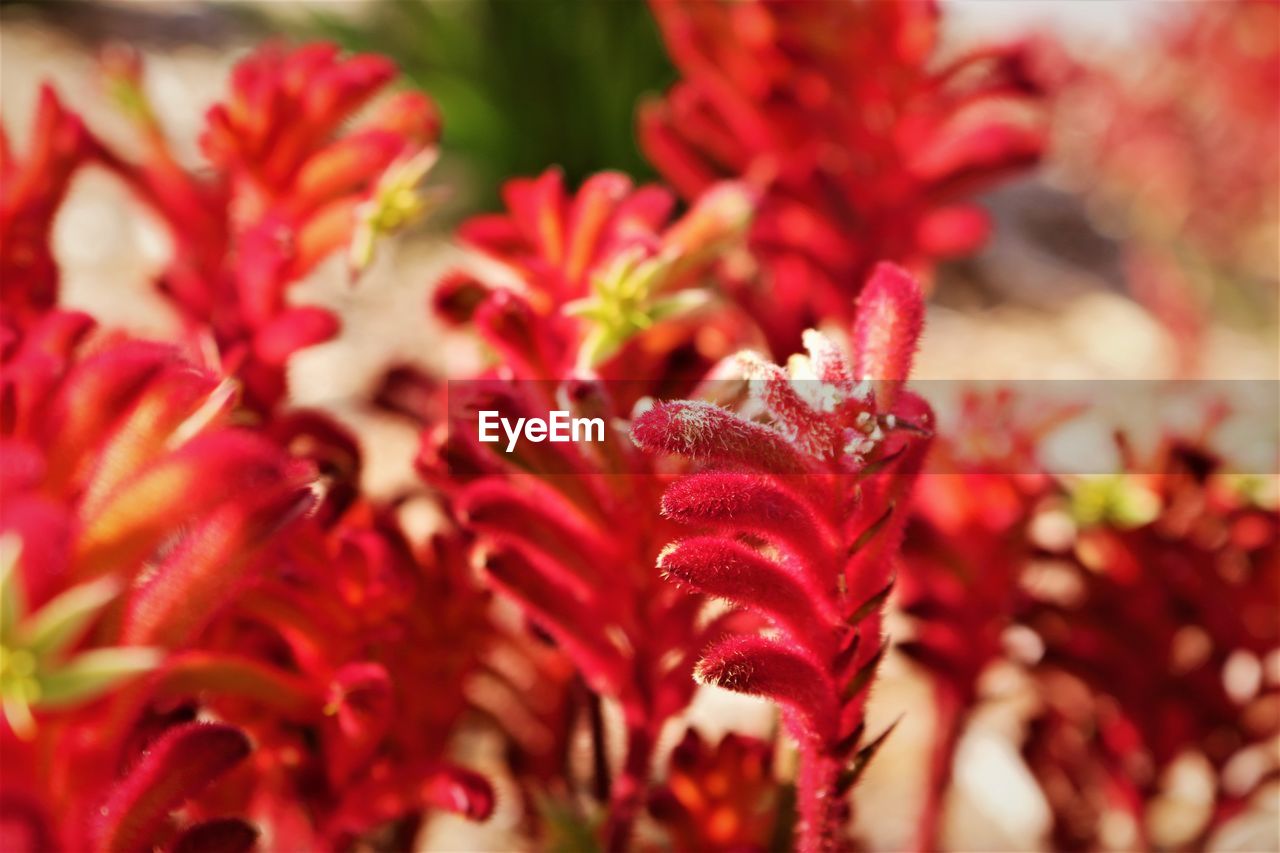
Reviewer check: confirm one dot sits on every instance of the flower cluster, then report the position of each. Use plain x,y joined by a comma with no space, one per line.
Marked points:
208,635
589,275
862,149
129,495
599,281
1130,602
1153,649
215,636
286,192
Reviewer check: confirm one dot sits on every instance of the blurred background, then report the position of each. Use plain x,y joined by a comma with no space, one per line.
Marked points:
1089,275
523,85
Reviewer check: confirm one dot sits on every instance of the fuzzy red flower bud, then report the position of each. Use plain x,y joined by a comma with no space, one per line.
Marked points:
730,570
755,503
890,320
759,666
178,765
835,523
706,432
887,329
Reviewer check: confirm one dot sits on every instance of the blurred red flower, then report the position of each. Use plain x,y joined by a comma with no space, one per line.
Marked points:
288,190
862,148
133,512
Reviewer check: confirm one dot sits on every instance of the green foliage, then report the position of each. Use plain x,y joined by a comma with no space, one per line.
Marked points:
521,84
35,668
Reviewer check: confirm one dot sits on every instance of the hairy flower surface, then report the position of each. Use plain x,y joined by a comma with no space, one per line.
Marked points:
861,147
802,529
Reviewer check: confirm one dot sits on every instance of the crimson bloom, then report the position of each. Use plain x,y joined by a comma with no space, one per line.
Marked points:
1133,622
322,662
155,567
802,529
128,496
212,636
601,284
288,190
600,279
720,797
862,150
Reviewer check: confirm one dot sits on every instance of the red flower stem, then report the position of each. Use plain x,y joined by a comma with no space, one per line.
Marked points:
629,789
950,722
822,812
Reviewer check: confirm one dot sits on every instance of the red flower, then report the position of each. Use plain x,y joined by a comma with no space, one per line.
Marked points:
323,664
600,282
719,798
574,550
1130,618
862,150
31,190
288,190
803,531
598,279
177,765
133,512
